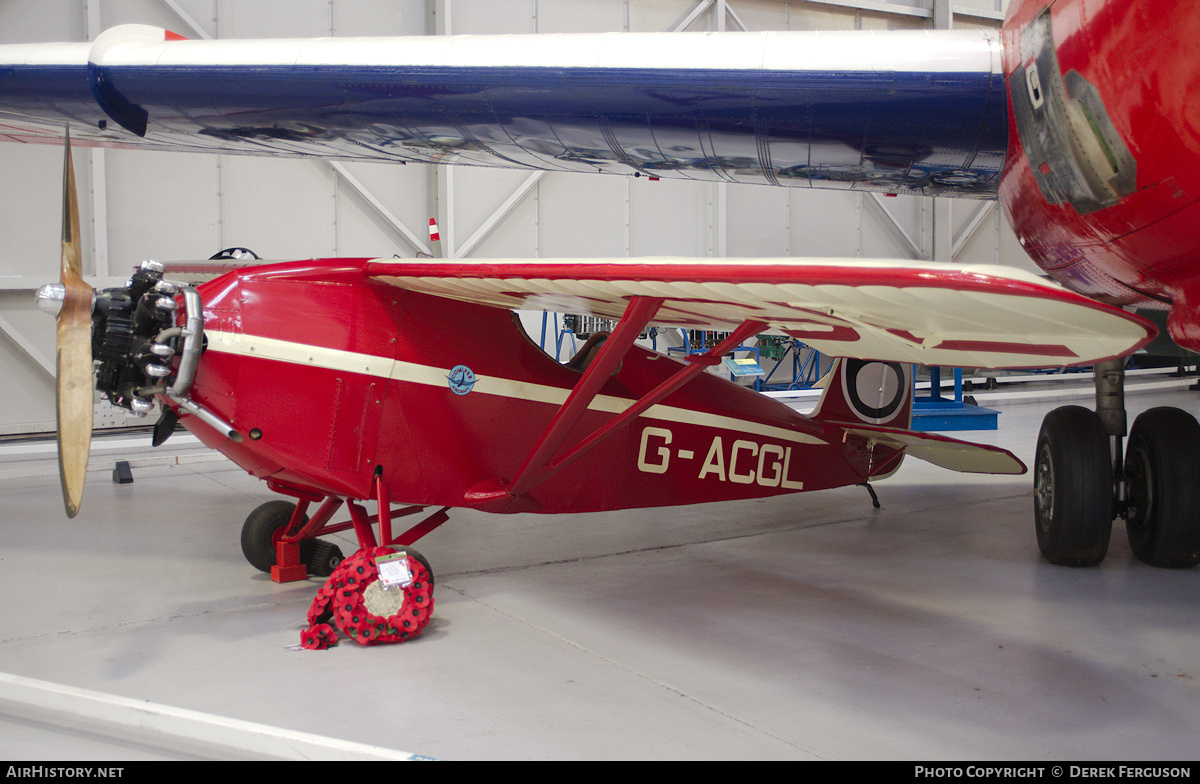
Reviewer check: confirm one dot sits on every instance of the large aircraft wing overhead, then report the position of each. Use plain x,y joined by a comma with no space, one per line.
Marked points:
916,112
922,312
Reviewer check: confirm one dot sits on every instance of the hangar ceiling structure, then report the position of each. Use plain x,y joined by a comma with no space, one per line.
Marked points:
139,205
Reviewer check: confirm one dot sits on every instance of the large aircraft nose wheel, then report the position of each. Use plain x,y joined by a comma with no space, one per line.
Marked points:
1073,488
1162,461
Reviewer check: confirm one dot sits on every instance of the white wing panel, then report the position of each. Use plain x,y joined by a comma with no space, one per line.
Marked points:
932,314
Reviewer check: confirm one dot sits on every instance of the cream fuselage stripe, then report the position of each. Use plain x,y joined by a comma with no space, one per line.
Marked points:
411,372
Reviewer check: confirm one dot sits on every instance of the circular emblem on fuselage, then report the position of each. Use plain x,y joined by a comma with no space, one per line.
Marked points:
462,380
875,390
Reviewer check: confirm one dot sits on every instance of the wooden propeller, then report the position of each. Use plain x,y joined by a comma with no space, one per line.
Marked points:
74,355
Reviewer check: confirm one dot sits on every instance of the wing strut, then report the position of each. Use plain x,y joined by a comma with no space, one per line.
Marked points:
697,363
496,492
496,495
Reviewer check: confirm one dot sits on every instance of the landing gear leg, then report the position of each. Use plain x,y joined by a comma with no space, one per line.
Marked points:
1110,407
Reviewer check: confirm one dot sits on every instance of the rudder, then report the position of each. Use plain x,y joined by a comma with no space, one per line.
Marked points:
867,392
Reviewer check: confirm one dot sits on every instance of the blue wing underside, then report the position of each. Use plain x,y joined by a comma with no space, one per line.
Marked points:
905,131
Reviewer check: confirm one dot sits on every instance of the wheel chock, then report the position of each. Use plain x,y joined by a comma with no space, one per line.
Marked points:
122,475
288,567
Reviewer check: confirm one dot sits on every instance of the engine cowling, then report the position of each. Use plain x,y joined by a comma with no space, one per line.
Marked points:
1102,183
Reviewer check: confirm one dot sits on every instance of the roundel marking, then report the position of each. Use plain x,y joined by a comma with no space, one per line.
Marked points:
874,390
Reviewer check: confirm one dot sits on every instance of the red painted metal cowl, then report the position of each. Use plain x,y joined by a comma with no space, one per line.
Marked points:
1102,183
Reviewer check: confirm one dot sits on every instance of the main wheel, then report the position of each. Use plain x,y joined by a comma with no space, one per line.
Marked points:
1162,467
262,530
1073,488
412,553
266,525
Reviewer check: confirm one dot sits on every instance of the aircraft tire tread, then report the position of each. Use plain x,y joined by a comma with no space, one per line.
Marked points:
1162,462
262,529
1073,484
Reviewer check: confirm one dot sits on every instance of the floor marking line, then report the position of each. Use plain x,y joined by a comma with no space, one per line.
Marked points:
166,721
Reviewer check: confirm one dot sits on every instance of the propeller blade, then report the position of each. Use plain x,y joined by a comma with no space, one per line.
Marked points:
74,386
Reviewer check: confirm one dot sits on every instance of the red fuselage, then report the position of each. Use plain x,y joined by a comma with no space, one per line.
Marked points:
1102,181
330,375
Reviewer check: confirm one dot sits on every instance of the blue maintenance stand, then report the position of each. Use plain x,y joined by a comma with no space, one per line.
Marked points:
944,413
562,330
806,372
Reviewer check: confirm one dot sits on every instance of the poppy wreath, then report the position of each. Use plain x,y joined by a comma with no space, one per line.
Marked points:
344,600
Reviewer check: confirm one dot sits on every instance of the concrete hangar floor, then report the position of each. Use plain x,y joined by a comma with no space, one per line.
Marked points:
807,627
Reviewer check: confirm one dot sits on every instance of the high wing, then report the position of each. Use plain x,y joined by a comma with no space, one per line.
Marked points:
925,313
920,112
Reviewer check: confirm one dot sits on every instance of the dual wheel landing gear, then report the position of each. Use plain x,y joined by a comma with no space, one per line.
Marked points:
1082,481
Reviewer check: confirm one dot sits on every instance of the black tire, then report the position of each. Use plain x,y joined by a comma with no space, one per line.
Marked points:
424,562
262,529
1073,488
320,557
1162,468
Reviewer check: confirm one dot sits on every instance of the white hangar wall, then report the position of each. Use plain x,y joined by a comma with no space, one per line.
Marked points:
138,205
